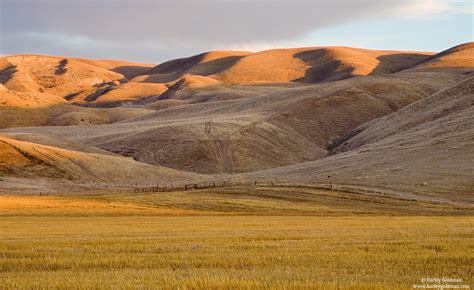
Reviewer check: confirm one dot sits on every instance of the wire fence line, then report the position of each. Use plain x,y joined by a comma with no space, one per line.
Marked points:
209,185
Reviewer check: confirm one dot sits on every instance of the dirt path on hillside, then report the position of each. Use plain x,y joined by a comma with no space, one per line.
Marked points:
222,149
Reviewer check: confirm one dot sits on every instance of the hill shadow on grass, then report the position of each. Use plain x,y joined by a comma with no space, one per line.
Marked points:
131,71
61,68
392,63
174,69
7,73
321,68
324,69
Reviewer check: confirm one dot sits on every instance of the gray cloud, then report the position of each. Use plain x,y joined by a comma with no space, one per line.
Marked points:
157,30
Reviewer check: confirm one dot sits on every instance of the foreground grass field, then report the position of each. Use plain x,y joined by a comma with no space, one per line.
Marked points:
255,240
237,252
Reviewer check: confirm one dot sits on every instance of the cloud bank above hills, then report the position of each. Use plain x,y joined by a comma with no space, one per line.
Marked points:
156,30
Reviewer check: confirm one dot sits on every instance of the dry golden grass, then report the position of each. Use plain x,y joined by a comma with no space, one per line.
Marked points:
266,200
15,205
239,238
237,200
232,252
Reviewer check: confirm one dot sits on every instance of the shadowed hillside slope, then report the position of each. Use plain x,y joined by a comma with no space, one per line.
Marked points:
426,148
25,159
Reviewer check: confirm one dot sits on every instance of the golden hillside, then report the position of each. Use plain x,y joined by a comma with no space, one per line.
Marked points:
228,114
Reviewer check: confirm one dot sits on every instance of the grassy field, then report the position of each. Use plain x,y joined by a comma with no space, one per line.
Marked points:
227,201
231,238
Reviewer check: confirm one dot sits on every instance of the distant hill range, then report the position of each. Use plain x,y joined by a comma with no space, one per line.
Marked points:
395,121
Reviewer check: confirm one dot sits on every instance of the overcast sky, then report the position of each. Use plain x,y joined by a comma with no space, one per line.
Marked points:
154,31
